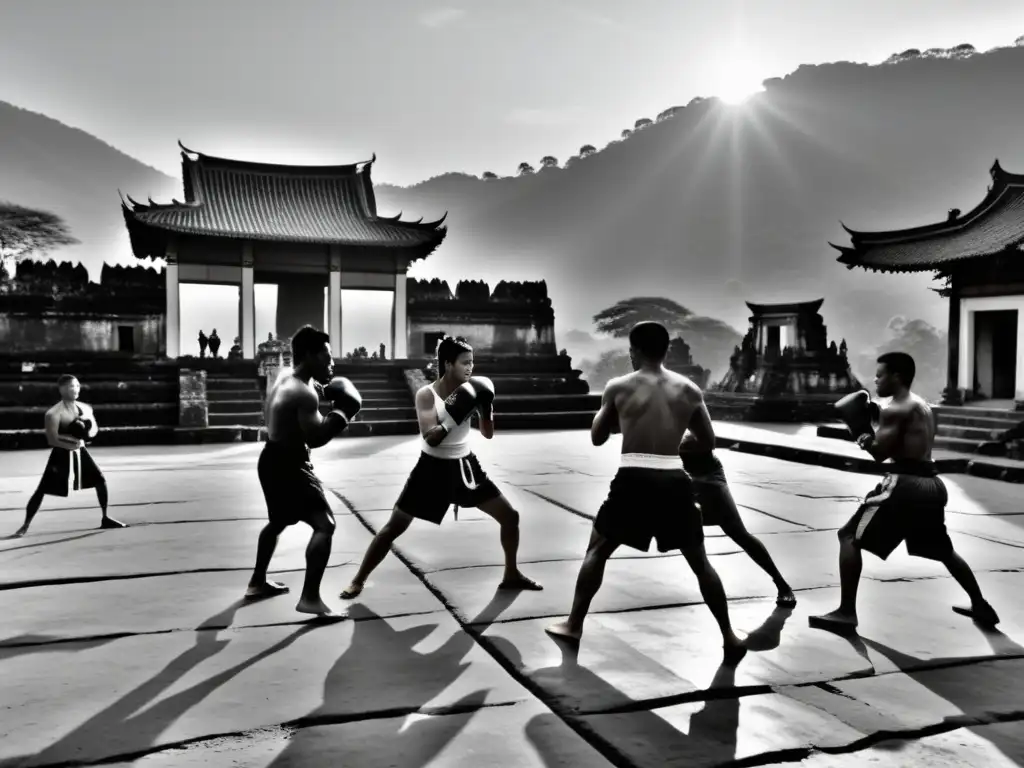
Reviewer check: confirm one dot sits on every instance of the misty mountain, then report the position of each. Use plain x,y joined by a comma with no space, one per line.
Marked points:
713,205
46,164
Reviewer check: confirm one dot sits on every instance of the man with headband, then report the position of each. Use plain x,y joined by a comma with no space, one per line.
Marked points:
448,472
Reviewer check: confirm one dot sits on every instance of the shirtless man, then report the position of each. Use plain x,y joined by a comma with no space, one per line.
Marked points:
69,424
908,505
448,472
292,491
651,496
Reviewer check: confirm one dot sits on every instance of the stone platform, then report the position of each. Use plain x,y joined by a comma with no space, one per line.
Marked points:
131,647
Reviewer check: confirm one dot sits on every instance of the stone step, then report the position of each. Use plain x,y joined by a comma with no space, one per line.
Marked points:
226,395
543,403
968,433
108,415
962,445
241,418
242,405
220,383
549,420
379,427
982,422
980,412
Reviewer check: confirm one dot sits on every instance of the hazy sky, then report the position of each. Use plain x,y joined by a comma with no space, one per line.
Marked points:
430,88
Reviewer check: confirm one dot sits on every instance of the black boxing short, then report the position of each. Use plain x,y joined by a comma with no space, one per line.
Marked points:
907,506
293,492
435,484
711,489
650,498
68,471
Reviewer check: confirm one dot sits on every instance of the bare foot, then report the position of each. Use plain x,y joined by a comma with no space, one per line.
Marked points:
983,614
563,631
316,607
352,591
20,532
786,598
266,589
109,522
520,582
836,621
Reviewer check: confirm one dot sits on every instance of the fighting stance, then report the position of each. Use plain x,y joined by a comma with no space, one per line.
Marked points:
651,496
292,490
70,424
448,472
909,504
718,507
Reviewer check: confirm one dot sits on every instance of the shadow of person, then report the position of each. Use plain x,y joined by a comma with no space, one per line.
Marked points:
118,727
713,729
854,639
24,645
385,684
979,687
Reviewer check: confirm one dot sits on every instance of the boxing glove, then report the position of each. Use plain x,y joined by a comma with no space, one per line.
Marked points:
855,411
484,389
458,405
345,398
80,428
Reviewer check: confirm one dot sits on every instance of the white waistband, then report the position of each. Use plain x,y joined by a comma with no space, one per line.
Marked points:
446,450
650,461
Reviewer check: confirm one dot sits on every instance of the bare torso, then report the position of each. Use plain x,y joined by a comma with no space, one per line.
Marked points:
654,410
281,412
912,419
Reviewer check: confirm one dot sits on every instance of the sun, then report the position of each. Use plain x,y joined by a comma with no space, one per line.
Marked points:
735,80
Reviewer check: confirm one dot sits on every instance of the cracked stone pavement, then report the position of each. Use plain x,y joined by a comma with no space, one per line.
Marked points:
132,647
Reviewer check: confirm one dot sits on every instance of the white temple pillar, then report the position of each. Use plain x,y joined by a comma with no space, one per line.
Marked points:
248,306
172,311
334,311
399,322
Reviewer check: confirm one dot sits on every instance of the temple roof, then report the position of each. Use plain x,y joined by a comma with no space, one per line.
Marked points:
286,203
795,308
996,224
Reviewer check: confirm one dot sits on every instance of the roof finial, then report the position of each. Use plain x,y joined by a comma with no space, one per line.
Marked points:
996,169
185,149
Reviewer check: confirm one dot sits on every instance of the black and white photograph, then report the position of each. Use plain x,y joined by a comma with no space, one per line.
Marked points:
492,384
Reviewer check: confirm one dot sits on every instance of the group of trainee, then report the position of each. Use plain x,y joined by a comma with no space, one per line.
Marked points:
669,485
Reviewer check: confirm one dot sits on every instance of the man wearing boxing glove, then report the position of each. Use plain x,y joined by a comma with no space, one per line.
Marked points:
908,505
447,471
70,424
292,490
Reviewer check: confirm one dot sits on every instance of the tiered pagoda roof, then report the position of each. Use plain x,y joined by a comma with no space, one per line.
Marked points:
284,203
994,226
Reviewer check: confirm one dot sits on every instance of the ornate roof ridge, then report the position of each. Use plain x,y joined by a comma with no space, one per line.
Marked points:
247,166
811,306
1002,182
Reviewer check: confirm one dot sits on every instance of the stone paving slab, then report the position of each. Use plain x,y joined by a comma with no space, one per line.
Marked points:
133,694
393,683
165,549
185,602
520,735
991,746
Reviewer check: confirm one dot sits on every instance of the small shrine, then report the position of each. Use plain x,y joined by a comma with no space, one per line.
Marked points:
786,369
680,360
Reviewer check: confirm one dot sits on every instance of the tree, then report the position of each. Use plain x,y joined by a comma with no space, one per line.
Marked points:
1019,42
642,123
26,231
549,161
525,169
587,150
626,133
711,341
619,318
488,175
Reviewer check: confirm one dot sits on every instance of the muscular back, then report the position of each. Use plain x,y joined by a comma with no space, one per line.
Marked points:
281,414
912,421
654,410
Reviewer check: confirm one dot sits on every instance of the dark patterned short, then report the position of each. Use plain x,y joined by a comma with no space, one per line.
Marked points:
435,484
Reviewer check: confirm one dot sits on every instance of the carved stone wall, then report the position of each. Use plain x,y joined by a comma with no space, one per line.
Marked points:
516,319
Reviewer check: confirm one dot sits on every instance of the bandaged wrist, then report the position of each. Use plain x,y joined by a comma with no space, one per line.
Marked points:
448,422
